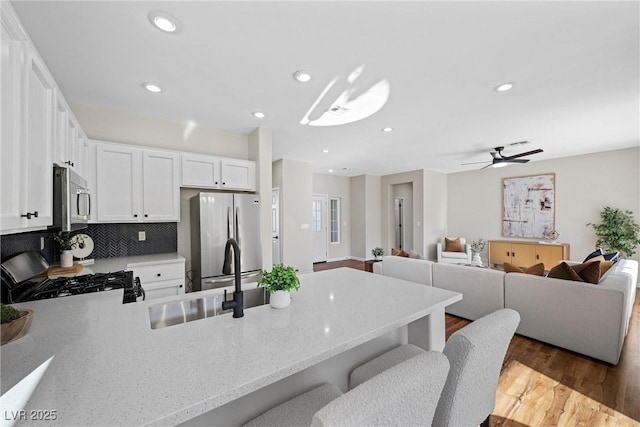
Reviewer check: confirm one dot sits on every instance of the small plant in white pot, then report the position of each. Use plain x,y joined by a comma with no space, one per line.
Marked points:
67,243
279,282
377,253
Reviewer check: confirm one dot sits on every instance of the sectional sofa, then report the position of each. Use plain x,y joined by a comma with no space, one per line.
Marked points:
582,317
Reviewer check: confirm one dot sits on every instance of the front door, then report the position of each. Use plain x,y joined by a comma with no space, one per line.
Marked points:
319,228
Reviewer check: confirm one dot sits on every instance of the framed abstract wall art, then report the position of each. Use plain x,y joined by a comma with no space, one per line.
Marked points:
529,206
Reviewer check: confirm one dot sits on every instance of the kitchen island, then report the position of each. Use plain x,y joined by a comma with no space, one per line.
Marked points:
109,367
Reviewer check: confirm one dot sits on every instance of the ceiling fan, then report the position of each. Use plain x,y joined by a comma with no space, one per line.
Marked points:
500,160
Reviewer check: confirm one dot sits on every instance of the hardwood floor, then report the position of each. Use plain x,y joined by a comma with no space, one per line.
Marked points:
543,385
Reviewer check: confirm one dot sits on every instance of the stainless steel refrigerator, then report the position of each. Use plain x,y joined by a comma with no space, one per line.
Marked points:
216,217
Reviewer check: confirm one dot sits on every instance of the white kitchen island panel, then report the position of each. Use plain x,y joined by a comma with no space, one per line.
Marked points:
110,367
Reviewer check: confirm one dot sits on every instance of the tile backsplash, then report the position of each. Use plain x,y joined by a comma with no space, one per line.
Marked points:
110,241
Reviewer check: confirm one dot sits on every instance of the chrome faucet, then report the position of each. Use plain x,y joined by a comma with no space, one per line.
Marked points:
237,303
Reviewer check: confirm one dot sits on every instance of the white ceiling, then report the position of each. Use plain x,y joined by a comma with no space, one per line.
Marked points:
575,64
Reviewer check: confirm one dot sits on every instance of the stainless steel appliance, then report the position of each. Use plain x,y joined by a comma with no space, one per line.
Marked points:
71,200
23,280
215,218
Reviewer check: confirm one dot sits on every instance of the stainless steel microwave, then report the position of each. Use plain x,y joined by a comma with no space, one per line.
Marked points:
71,200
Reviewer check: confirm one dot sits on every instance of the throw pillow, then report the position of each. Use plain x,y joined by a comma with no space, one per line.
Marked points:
565,272
414,254
613,256
589,271
604,267
594,254
536,270
399,252
452,245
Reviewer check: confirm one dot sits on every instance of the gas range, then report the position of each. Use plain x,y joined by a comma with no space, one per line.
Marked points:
32,290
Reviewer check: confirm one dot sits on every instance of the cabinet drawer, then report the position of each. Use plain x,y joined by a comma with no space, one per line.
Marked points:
165,288
157,273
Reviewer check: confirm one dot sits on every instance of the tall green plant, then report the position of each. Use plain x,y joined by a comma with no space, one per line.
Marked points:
617,231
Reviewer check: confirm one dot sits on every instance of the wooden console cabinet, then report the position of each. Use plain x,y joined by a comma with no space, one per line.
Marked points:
525,254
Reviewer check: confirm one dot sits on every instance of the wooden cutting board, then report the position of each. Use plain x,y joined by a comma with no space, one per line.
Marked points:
58,271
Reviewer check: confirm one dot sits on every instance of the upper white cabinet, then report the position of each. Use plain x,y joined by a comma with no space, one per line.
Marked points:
28,115
136,185
202,171
238,174
161,188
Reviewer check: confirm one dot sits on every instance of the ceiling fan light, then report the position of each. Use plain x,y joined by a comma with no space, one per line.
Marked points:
500,164
163,21
503,87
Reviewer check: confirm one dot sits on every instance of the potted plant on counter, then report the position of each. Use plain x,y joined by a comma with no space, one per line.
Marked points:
67,243
279,282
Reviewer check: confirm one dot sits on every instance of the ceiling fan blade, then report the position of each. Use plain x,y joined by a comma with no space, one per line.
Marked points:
517,160
528,153
488,166
474,163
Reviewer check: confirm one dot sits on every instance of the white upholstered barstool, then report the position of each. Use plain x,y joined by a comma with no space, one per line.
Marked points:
476,353
405,394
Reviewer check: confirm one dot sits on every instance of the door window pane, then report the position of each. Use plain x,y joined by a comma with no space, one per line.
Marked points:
334,220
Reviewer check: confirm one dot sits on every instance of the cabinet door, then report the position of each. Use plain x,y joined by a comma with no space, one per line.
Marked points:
11,62
550,255
61,139
523,255
200,171
238,174
74,145
39,117
499,252
118,179
161,186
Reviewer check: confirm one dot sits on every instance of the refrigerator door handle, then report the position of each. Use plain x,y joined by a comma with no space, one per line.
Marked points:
229,230
237,221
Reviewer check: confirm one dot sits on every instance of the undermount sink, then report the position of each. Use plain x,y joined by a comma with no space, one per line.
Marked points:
177,312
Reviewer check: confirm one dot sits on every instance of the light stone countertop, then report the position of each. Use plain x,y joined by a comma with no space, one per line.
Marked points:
110,368
109,265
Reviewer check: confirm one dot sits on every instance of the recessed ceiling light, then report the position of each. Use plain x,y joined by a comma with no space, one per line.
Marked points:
302,76
504,87
259,115
330,170
152,87
164,21
387,129
325,151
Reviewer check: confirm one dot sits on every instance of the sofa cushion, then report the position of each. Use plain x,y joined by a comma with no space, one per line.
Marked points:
586,272
452,245
613,256
399,252
594,254
537,269
589,271
565,272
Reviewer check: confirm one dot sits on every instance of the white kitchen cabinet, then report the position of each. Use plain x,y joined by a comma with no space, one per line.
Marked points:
136,185
27,135
165,278
238,174
161,187
11,151
200,171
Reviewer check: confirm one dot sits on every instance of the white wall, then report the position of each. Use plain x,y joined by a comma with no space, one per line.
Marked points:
365,215
337,187
584,184
435,210
260,149
294,179
128,128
